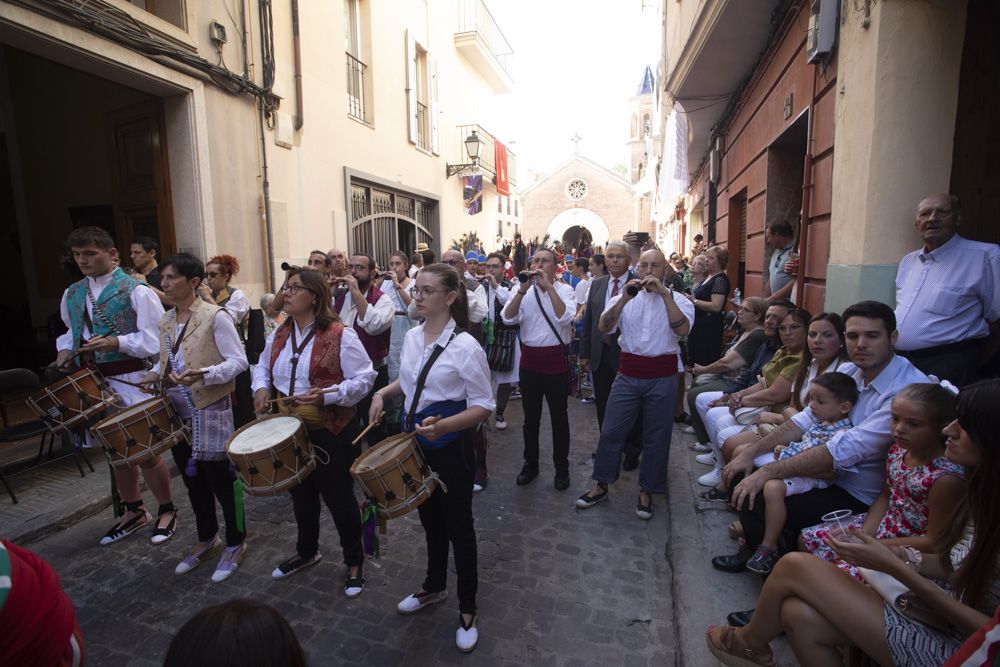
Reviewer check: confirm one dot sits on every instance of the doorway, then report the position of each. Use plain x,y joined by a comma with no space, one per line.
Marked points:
77,150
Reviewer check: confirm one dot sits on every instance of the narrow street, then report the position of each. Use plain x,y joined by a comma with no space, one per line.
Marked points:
557,586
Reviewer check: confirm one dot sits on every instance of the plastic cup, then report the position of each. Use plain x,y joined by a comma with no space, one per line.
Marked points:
838,524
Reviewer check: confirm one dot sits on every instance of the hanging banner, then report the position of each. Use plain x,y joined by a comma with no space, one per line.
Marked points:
472,193
500,159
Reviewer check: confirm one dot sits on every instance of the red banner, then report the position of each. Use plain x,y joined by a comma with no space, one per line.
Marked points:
500,158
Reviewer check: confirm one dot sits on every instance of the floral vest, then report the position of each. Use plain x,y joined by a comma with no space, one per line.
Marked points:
324,368
115,300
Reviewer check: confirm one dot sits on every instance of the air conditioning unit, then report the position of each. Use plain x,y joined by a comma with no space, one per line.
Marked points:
822,33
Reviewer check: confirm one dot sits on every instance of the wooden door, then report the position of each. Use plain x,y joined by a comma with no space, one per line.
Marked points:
140,181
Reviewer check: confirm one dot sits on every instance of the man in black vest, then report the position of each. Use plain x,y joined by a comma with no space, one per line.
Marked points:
600,352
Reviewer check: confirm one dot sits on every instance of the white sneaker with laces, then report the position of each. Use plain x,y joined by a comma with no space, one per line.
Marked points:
712,478
708,459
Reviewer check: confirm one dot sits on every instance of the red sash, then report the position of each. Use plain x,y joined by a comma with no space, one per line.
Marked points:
549,359
648,368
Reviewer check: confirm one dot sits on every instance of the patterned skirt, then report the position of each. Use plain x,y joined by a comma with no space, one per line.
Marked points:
914,644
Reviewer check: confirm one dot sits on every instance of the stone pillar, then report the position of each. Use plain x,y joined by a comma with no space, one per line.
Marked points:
897,83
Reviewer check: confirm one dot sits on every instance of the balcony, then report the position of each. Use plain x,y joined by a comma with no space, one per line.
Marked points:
487,154
483,44
356,93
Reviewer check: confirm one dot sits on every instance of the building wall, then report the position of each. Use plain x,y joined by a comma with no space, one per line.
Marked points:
744,169
608,196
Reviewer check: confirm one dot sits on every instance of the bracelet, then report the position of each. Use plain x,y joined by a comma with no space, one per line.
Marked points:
522,293
913,558
678,323
380,395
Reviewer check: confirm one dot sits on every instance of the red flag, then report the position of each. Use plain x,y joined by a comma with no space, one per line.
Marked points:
500,158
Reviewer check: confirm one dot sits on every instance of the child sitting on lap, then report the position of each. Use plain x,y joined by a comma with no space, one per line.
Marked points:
831,397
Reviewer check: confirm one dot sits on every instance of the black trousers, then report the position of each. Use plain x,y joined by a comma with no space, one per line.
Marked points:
603,377
333,483
804,510
243,400
554,388
957,364
379,433
447,518
213,481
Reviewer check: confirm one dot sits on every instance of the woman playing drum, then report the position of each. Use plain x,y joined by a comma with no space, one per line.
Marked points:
307,357
443,374
201,355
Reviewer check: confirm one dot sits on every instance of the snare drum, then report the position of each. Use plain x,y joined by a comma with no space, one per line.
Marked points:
395,475
271,455
140,432
79,399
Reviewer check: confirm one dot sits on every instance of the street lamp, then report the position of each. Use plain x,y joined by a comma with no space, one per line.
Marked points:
472,146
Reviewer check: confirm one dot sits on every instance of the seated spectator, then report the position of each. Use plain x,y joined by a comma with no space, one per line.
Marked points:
822,607
715,377
922,486
854,459
831,398
238,633
706,400
39,625
773,391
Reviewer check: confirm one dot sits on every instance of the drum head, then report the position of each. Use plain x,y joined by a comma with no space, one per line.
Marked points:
149,405
387,451
264,434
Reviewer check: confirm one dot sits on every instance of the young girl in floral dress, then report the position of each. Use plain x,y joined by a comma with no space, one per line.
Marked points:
922,486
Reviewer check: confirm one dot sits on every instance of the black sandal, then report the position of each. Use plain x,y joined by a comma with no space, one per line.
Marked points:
161,535
121,531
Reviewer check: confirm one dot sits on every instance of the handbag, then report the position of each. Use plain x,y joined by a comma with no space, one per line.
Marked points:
905,601
500,353
747,416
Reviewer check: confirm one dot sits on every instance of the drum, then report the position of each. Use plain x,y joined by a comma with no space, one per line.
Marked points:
395,475
79,399
138,433
271,455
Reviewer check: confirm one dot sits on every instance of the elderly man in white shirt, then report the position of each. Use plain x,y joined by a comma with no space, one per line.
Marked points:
948,296
544,308
651,323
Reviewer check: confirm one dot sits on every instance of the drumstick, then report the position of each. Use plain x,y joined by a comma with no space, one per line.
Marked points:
292,398
368,428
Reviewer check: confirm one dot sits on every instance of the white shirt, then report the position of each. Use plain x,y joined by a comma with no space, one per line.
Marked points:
535,331
645,325
459,374
238,305
230,347
622,279
582,289
397,301
498,294
377,319
947,295
477,304
359,375
413,271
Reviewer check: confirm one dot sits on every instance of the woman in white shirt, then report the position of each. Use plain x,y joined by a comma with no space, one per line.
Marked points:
443,411
397,286
306,357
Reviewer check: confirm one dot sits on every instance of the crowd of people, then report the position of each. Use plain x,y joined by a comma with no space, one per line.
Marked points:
857,449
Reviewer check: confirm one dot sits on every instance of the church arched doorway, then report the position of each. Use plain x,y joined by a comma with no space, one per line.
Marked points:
574,223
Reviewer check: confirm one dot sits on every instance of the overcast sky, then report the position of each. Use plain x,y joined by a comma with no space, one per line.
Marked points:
576,64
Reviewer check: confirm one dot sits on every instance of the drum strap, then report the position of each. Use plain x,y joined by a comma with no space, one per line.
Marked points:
422,378
296,353
176,346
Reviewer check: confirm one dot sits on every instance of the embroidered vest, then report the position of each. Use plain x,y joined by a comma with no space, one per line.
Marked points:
377,346
116,302
200,350
324,368
475,328
498,307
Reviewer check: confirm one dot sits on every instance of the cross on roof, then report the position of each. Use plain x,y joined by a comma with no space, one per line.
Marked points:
576,139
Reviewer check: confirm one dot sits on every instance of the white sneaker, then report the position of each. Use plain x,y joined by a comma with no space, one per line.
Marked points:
708,459
688,429
466,638
477,487
411,604
500,423
712,478
699,447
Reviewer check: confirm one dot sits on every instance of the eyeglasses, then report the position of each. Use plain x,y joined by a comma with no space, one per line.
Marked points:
212,274
294,289
452,262
790,328
424,292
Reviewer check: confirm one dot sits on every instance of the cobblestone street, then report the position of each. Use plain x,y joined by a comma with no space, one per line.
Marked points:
557,586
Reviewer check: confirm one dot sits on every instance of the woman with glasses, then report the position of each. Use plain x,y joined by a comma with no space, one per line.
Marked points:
772,392
216,290
307,357
397,286
443,410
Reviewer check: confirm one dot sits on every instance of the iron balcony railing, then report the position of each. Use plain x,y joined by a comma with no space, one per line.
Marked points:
423,127
474,17
356,88
487,153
